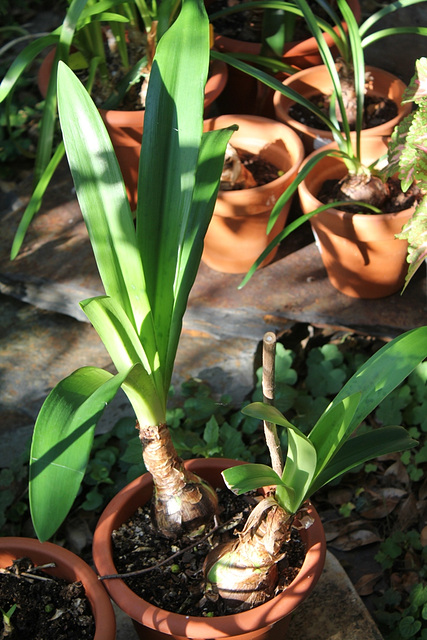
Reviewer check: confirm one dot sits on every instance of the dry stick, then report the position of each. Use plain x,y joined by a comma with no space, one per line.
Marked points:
268,373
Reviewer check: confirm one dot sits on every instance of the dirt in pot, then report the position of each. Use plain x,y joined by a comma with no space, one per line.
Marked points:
377,111
178,584
245,170
396,200
47,607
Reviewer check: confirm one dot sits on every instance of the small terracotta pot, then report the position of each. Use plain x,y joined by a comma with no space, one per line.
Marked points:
361,255
241,91
315,81
237,234
71,568
154,623
125,127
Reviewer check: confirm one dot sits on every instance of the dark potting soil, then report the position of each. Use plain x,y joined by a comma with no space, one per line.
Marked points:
377,111
396,201
48,608
178,585
262,170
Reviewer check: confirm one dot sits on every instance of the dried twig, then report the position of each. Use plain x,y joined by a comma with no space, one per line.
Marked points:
268,373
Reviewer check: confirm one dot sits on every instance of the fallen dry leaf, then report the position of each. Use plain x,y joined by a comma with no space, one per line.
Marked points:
365,585
384,501
354,540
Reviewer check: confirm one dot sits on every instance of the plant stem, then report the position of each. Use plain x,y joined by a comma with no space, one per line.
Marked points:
268,372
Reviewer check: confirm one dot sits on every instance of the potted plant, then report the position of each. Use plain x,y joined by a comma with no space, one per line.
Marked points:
244,570
128,28
237,233
147,272
66,565
272,44
318,84
359,181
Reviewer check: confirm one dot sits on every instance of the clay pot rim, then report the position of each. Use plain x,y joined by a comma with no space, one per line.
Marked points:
193,626
70,564
348,215
288,135
283,103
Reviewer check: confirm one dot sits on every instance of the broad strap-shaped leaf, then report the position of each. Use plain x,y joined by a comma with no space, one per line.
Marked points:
210,165
144,386
249,477
300,467
363,448
379,375
167,223
102,198
62,440
332,429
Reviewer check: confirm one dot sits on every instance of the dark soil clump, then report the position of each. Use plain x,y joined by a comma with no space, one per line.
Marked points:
47,607
178,585
377,111
396,201
262,170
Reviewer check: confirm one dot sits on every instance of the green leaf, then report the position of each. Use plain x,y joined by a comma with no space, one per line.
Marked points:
173,210
248,477
62,440
102,198
382,373
361,449
300,467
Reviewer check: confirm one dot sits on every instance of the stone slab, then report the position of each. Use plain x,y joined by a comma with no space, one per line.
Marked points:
56,269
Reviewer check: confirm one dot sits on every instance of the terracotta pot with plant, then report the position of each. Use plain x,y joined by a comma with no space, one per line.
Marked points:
383,88
360,251
361,185
243,572
69,567
275,25
237,232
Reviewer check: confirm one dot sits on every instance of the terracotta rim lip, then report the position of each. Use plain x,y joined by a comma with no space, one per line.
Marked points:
282,104
71,564
288,135
347,215
193,626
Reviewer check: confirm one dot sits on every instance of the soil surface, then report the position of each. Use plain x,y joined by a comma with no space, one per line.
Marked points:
377,111
47,608
262,171
178,585
396,200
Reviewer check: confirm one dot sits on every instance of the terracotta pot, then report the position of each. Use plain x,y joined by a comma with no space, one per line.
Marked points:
237,233
125,127
71,568
361,255
241,91
152,622
315,81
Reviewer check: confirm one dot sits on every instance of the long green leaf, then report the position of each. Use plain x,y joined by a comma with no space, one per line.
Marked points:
126,348
62,441
300,467
102,198
249,477
377,377
210,165
168,168
363,448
